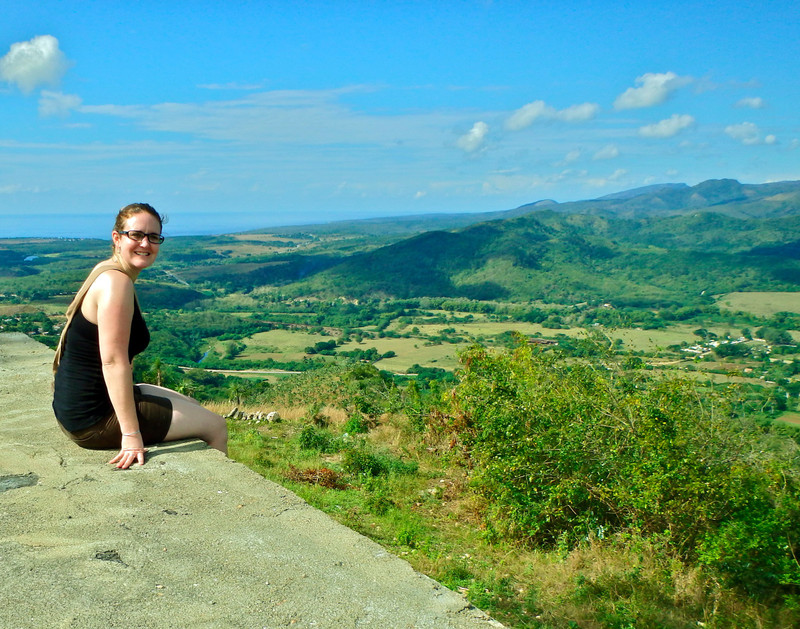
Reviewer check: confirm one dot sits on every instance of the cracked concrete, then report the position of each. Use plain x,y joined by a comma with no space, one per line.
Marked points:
192,539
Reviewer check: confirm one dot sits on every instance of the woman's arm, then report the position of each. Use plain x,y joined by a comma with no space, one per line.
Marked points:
114,298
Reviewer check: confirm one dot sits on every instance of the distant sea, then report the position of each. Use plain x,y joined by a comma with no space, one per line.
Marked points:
95,226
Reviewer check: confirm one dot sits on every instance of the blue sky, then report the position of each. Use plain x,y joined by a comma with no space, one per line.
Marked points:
233,115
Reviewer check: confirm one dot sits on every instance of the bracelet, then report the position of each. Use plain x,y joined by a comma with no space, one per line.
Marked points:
131,434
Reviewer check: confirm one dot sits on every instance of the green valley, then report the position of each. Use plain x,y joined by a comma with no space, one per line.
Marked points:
579,415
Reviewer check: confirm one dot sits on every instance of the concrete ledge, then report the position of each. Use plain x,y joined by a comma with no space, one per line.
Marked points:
192,539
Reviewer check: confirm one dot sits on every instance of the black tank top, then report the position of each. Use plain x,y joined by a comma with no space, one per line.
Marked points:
80,396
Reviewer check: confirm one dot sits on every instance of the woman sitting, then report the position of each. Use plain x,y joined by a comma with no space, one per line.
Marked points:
95,401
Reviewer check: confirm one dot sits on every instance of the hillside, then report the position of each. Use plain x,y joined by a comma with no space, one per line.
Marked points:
668,243
676,257
663,244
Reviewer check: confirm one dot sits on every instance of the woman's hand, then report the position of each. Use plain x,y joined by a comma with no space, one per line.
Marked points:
132,451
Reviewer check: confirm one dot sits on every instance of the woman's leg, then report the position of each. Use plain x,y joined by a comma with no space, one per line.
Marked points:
191,419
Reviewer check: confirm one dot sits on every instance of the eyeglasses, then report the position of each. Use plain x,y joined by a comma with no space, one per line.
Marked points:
135,234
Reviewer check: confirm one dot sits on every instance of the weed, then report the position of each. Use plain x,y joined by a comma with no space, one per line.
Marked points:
356,424
359,459
377,496
312,438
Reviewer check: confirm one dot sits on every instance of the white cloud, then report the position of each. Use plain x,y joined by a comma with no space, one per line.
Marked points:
299,118
571,157
474,139
751,103
610,151
499,183
653,89
526,115
749,134
15,188
667,128
600,182
578,113
34,63
233,86
57,104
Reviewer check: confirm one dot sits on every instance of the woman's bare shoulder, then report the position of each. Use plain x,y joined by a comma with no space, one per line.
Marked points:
114,280
113,288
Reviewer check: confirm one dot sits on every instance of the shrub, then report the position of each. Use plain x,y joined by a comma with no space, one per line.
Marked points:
360,459
564,451
313,438
356,424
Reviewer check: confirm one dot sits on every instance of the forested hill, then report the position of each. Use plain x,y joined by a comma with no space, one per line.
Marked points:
649,247
726,196
669,244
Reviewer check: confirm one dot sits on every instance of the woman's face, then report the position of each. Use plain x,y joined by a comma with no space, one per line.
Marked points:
141,254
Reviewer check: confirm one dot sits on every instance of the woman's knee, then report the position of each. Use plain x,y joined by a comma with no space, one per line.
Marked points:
153,389
189,419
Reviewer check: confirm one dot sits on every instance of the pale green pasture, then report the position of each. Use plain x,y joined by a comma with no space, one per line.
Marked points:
291,345
237,300
648,340
492,328
790,417
55,306
409,351
633,339
761,303
280,344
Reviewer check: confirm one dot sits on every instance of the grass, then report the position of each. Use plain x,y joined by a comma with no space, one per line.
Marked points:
764,304
790,417
279,345
419,506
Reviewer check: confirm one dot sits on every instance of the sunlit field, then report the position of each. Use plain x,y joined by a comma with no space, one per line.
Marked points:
761,303
279,345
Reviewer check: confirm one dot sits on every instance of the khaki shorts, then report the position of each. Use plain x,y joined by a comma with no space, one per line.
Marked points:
155,417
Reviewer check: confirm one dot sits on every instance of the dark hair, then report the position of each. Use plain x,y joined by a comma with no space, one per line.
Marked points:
136,208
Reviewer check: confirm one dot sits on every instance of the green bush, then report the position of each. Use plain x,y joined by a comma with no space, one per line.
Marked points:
564,451
313,438
355,424
360,459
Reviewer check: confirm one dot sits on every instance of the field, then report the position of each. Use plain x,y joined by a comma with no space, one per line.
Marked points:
279,345
422,344
761,303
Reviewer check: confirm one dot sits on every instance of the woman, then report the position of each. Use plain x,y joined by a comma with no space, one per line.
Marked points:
95,400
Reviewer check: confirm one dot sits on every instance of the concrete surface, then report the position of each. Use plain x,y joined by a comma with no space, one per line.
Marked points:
192,539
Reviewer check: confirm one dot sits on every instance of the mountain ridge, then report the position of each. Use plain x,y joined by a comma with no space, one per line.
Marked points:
665,245
723,195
